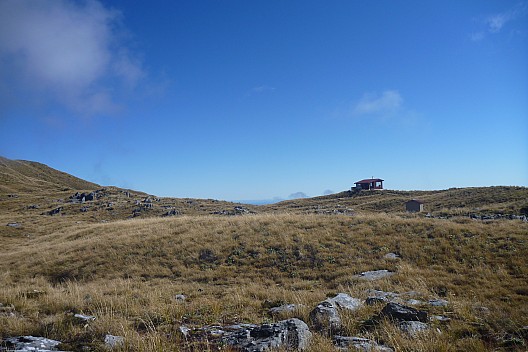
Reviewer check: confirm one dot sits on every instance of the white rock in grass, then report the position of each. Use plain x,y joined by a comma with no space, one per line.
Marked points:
29,343
113,341
375,274
342,300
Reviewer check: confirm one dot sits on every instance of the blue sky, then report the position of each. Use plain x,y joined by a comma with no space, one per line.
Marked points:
259,99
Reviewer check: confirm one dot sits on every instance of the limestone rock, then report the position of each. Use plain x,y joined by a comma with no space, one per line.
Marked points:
413,328
438,302
375,274
325,318
346,343
29,343
287,334
377,296
84,318
342,300
391,256
285,308
113,341
180,298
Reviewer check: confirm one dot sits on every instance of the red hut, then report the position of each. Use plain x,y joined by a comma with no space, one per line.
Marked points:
369,183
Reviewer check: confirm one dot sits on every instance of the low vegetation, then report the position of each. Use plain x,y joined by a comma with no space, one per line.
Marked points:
128,271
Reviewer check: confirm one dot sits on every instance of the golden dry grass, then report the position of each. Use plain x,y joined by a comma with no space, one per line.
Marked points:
127,273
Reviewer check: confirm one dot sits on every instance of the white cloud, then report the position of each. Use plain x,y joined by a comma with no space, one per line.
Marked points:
262,89
388,102
497,21
71,51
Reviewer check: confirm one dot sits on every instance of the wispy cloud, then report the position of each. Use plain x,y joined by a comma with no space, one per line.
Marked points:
262,89
72,52
495,23
388,102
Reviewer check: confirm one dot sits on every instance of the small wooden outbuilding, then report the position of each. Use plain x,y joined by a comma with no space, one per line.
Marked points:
414,206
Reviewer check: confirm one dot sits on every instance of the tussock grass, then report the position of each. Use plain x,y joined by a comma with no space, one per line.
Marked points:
127,273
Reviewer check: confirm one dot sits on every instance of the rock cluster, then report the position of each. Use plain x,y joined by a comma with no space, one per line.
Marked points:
286,334
29,343
238,210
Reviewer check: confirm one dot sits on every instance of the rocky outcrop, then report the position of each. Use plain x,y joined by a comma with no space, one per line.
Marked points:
286,334
29,343
291,334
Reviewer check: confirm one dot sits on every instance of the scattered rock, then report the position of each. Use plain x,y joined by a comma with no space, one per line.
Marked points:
438,302
29,343
84,318
360,344
185,330
440,318
398,312
375,274
285,308
325,318
55,211
112,341
342,300
286,334
370,301
413,328
391,256
386,296
180,298
33,206
172,212
414,302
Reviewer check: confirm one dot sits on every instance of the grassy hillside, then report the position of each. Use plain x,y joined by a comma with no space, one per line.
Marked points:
28,176
128,272
453,201
122,261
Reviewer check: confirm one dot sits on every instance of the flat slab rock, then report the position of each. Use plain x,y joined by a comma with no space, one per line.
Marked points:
344,301
285,308
413,328
29,344
375,274
345,343
398,312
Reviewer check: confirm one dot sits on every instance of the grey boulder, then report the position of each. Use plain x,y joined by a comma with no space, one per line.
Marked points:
29,343
398,312
325,318
287,334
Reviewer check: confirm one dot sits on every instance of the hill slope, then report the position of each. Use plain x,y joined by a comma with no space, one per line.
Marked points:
29,176
115,258
453,201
